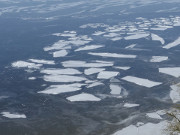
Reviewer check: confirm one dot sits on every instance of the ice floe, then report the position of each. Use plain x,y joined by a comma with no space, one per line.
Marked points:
60,53
175,93
83,97
173,71
115,89
130,105
63,78
157,38
24,64
107,74
158,58
146,129
96,64
13,115
89,47
56,71
154,115
140,81
94,84
136,36
32,78
130,46
49,62
90,71
173,44
58,89
122,68
114,55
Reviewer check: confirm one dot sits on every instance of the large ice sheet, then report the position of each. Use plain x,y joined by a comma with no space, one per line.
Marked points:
13,115
56,71
58,89
83,97
107,74
63,78
146,129
173,44
114,55
141,81
173,71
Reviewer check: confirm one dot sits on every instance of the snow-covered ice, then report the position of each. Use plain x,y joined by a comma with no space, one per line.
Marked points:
158,58
60,53
141,81
175,93
114,55
107,74
157,38
13,115
58,89
57,71
89,47
130,105
173,71
90,71
122,68
154,115
83,97
49,62
115,89
173,44
136,36
24,64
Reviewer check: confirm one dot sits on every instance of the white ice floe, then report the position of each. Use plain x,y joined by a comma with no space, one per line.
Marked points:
136,36
107,74
32,78
140,81
154,115
175,93
49,62
173,44
157,38
56,71
122,68
130,105
89,47
113,55
173,71
66,34
158,58
13,115
24,64
60,53
94,84
130,46
63,78
58,89
83,97
85,64
98,33
90,71
115,89
146,129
